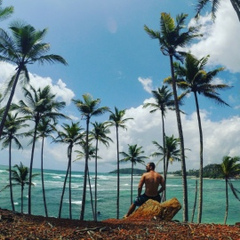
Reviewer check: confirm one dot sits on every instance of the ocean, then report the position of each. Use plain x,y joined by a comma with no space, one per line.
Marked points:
213,199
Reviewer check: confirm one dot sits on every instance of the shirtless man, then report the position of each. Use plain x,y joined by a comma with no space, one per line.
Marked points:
152,181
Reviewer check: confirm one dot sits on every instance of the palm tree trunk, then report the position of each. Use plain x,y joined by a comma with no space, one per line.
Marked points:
131,185
118,175
30,170
164,157
10,100
63,191
10,174
96,173
195,202
226,211
70,180
85,173
42,176
183,162
91,196
22,188
201,161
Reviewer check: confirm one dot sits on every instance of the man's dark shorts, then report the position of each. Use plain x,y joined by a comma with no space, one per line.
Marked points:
143,198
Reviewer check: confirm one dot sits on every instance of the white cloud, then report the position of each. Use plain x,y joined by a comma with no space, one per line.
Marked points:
146,83
220,38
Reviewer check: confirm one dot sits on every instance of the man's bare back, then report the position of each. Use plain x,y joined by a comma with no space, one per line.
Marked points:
152,181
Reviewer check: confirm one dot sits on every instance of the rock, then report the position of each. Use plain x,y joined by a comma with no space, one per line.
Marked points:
153,209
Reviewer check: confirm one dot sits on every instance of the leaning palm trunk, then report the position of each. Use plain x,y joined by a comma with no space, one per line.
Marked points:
10,174
70,180
96,173
183,163
22,188
118,174
201,162
131,185
226,211
30,171
91,196
42,176
63,191
85,172
164,196
9,100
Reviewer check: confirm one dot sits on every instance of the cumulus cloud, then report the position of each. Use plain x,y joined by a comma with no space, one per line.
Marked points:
220,38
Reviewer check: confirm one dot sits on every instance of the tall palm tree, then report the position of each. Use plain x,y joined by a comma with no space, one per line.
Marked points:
40,103
117,119
171,151
71,134
23,48
99,133
229,168
170,38
20,177
202,3
163,101
88,107
10,135
192,77
44,130
134,156
6,11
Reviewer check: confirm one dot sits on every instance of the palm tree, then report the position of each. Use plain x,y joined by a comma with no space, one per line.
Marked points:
11,134
170,38
163,101
229,168
23,48
5,12
71,135
99,133
134,156
202,3
117,119
41,103
20,177
172,153
44,130
88,107
192,77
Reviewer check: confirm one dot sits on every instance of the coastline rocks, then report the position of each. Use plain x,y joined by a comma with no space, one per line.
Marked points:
153,209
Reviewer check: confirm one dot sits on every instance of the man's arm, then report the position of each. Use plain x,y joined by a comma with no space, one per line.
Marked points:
140,185
162,183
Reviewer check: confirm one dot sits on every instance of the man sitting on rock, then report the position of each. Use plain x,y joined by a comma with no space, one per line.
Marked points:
152,181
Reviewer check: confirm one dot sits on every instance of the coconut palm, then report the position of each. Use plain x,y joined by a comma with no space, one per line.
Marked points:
172,152
88,107
192,77
163,101
44,130
39,104
134,156
24,47
11,135
6,11
117,119
99,133
202,3
20,177
170,38
229,168
71,134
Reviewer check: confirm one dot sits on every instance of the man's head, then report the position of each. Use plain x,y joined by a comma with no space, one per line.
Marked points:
150,166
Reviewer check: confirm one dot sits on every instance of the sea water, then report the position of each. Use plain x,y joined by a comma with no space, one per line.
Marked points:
214,199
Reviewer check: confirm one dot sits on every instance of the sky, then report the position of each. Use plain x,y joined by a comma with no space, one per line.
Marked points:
111,57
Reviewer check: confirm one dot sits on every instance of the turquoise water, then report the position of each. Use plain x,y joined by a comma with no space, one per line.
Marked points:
213,205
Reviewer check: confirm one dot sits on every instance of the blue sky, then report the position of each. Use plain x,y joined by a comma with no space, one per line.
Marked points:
111,57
